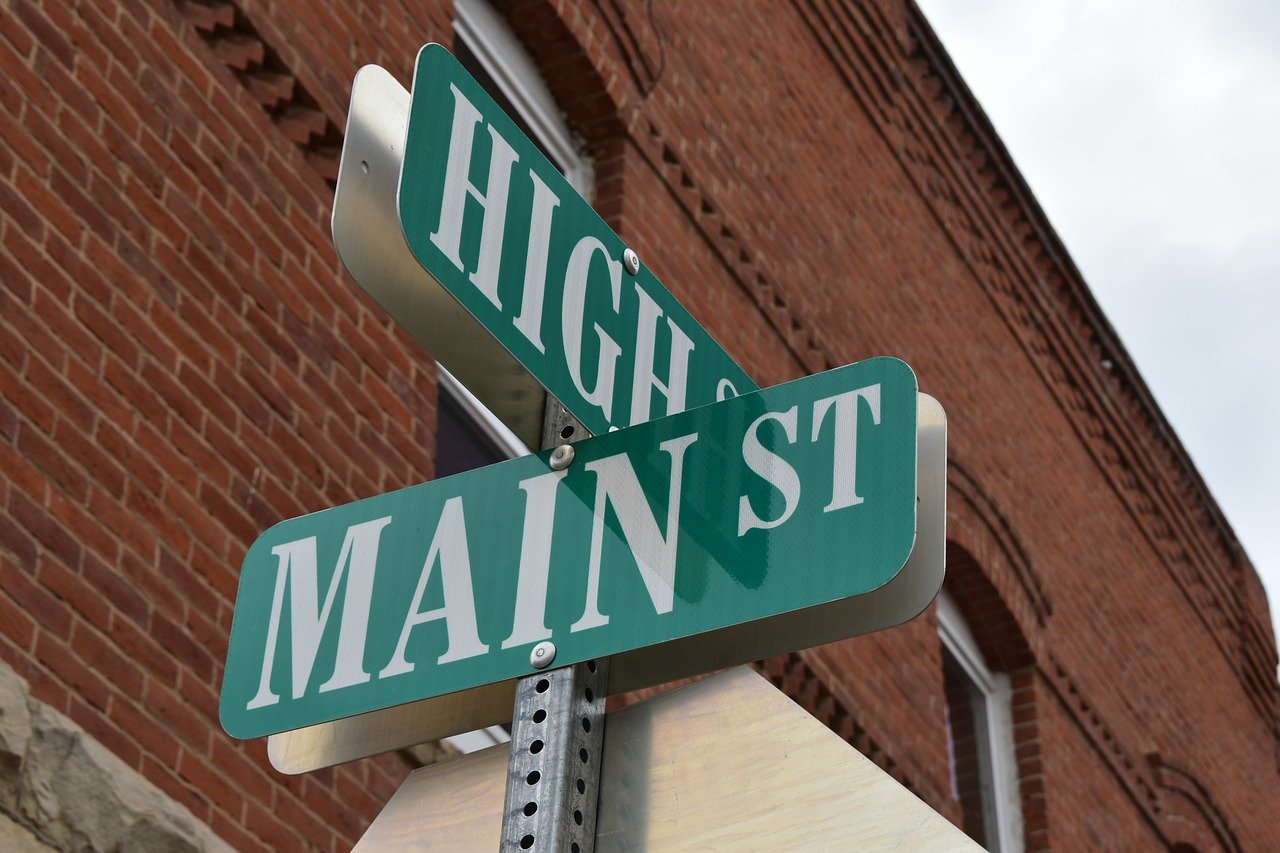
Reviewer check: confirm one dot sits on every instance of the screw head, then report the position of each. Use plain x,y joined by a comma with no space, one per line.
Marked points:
542,655
631,261
562,457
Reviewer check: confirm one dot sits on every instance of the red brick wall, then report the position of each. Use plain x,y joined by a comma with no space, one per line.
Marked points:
184,362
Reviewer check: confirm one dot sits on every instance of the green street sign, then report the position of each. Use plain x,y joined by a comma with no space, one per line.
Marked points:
770,503
494,223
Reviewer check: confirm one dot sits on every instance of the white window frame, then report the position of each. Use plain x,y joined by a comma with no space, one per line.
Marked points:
508,63
515,73
993,724
506,441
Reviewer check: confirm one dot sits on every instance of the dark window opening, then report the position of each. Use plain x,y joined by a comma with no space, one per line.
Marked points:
460,442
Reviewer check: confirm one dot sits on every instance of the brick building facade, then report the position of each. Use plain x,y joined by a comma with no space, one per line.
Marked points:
184,362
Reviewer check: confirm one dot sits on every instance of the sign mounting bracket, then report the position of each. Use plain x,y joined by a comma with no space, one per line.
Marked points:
557,729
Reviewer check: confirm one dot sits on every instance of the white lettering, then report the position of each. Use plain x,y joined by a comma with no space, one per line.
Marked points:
654,551
530,623
360,552
573,309
844,460
770,467
644,378
459,610
529,322
457,186
724,390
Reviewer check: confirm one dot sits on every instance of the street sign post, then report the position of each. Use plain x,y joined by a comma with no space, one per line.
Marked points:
755,508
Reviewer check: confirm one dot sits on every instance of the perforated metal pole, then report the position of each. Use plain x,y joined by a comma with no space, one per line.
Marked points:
557,731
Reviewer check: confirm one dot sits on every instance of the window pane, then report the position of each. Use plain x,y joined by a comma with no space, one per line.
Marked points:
460,443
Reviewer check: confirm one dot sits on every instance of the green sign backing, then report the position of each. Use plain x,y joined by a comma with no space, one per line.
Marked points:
497,225
772,502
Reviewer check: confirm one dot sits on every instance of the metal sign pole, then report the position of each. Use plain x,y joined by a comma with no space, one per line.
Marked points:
557,730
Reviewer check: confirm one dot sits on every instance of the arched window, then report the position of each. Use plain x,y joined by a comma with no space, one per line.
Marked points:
468,435
980,748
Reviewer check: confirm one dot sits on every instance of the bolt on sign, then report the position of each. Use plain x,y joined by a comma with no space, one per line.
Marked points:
497,225
769,503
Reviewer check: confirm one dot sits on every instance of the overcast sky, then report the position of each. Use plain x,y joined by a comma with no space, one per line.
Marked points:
1150,133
